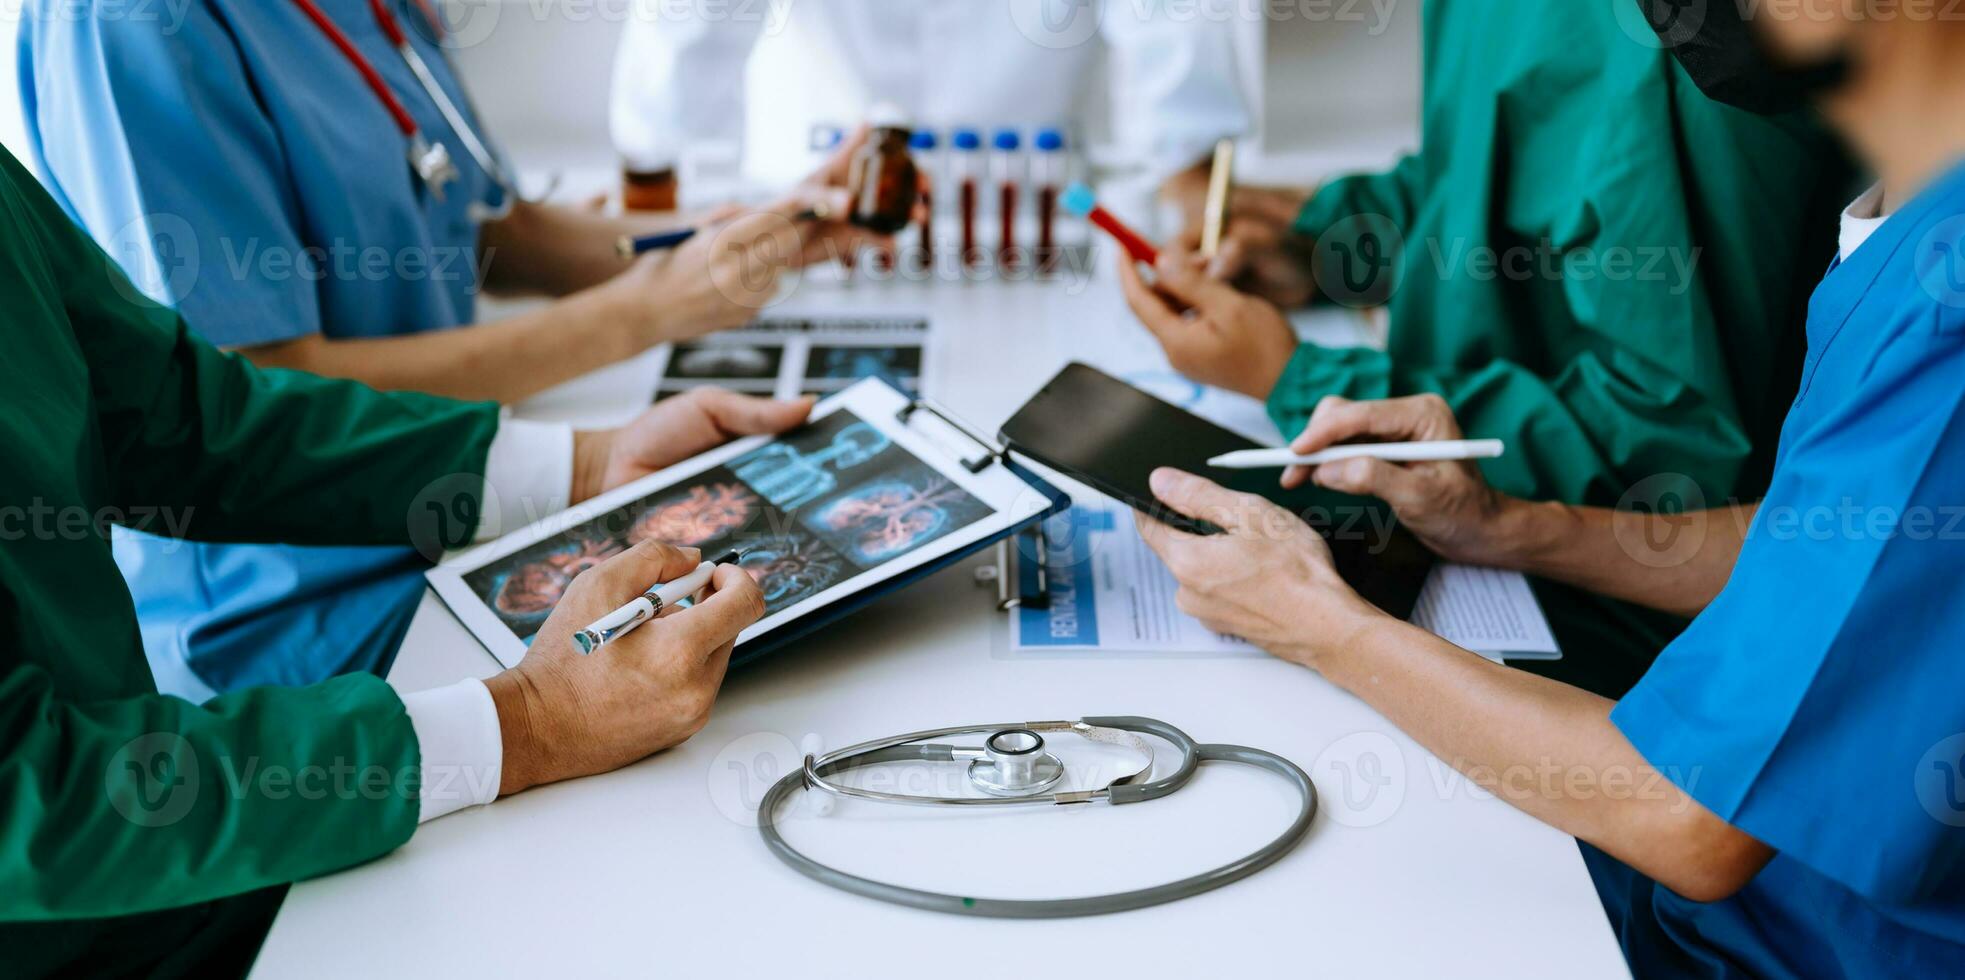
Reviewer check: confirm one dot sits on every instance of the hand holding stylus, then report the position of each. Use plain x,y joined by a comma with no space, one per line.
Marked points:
1446,502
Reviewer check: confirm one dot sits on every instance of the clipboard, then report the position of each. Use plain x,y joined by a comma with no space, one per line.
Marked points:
878,491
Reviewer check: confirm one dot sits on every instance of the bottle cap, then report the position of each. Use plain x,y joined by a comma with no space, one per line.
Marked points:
1078,199
826,137
886,115
651,162
1007,140
1050,140
923,139
967,139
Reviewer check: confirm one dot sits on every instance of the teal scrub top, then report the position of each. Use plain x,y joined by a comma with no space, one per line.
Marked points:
1592,261
237,166
125,814
1819,703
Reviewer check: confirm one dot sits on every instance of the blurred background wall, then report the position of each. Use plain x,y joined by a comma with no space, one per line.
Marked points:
1337,81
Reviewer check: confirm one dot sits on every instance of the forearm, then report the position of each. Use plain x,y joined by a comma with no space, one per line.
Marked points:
505,361
122,806
558,251
1675,563
1546,748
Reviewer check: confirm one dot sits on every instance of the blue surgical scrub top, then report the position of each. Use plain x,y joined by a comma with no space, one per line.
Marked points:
1819,703
235,163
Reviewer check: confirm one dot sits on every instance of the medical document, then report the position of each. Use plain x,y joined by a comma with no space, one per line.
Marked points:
1109,591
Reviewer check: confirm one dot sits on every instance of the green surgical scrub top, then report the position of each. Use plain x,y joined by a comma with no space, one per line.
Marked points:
1588,259
116,801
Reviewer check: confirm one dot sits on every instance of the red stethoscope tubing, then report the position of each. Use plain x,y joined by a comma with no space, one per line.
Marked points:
390,27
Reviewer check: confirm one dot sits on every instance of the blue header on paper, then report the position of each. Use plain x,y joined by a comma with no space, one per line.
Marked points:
1072,619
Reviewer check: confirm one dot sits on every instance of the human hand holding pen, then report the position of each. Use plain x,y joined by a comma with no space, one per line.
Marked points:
563,714
651,603
1448,505
1210,332
1260,253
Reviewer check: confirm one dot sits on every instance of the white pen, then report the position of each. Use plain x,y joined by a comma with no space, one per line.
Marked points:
648,605
1397,452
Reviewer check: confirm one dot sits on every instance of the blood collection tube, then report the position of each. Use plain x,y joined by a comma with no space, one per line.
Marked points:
1006,171
1050,169
928,156
966,168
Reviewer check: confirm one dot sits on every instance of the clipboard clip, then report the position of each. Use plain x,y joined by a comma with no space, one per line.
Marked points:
1031,545
992,453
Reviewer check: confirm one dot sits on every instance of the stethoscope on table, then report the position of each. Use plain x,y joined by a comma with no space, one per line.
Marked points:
430,159
1012,769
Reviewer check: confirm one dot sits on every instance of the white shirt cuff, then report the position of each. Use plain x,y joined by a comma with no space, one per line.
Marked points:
462,748
528,475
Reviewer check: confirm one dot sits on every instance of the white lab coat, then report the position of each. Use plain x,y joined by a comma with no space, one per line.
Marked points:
682,77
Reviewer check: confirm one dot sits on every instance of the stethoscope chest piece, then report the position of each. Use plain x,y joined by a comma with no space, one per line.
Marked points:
433,166
1014,763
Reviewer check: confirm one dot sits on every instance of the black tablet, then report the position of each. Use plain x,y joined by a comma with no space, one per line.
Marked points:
1111,436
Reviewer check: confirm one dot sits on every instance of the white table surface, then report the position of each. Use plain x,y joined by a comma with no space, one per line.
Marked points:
658,870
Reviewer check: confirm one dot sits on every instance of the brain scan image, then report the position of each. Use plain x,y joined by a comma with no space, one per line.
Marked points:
893,516
791,476
791,569
528,592
703,514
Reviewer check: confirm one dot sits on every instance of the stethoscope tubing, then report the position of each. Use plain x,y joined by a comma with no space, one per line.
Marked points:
1001,908
478,147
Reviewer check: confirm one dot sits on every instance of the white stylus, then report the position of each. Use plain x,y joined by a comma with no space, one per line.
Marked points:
1397,452
648,605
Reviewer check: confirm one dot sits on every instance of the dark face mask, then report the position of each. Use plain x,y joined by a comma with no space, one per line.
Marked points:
1716,45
